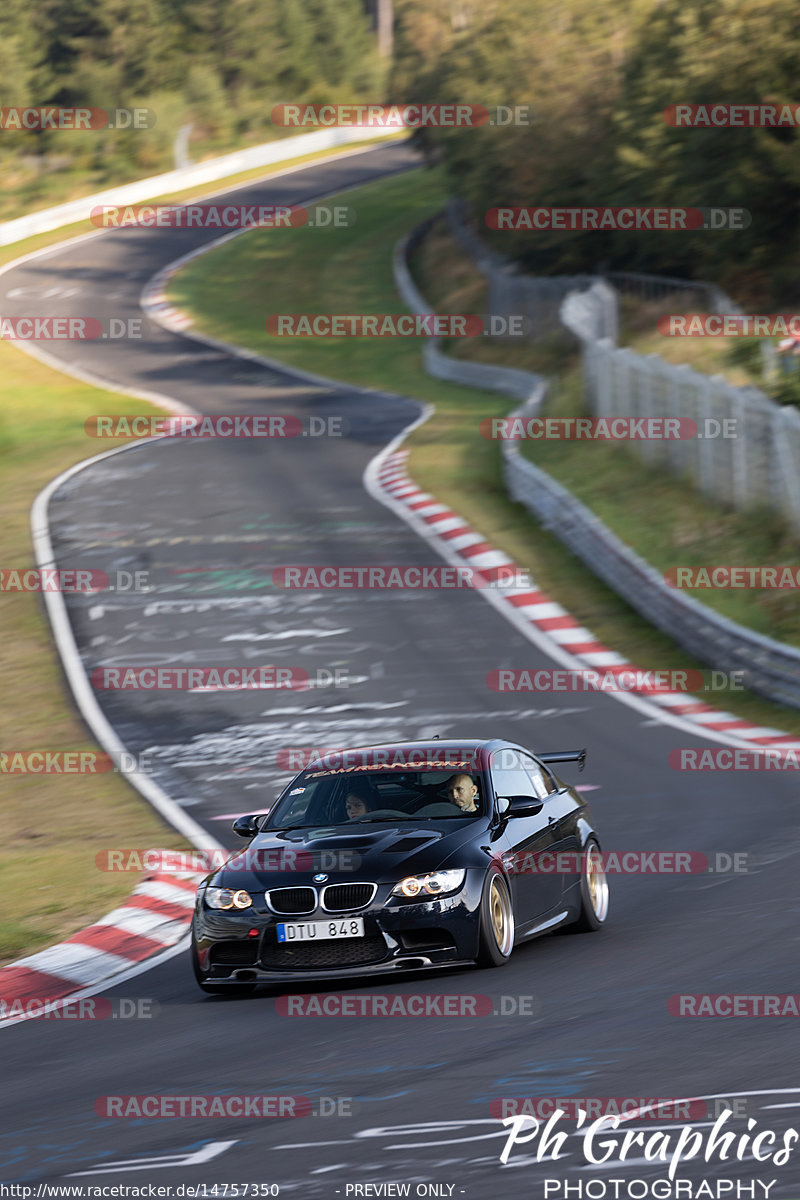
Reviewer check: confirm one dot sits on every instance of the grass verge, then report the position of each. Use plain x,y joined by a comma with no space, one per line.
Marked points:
55,825
196,192
31,186
231,290
663,519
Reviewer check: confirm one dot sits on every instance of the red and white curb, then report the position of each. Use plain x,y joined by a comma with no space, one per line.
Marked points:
155,917
460,541
155,303
528,608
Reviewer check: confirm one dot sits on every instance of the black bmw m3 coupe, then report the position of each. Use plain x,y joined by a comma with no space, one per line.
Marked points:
401,857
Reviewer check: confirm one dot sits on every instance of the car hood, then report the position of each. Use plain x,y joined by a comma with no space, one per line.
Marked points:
379,853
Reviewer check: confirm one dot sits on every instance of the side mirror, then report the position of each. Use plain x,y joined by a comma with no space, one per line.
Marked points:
523,806
246,827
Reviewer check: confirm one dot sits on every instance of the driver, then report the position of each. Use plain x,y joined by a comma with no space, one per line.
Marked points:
463,791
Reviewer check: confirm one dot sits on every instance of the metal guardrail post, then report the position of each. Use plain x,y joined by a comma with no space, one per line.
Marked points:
786,462
740,474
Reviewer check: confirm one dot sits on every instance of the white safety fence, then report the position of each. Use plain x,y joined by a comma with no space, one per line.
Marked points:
265,155
511,293
763,664
747,450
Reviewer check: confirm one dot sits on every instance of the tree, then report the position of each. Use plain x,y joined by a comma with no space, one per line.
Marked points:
326,51
722,52
598,80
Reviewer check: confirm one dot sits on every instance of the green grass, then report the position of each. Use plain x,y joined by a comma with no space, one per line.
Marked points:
53,825
24,192
196,192
666,521
454,284
738,360
663,517
332,270
230,292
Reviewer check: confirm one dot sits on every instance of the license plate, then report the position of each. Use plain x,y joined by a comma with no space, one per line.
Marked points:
320,931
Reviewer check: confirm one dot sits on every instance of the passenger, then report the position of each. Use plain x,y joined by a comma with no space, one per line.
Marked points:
359,800
356,806
463,791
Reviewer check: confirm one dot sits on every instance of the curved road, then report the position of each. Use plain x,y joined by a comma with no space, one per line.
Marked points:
208,521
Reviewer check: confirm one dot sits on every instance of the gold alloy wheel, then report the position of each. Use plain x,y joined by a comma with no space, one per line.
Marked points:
502,917
597,883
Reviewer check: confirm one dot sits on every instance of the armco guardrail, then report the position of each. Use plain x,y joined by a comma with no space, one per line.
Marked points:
765,665
267,154
523,385
510,293
537,296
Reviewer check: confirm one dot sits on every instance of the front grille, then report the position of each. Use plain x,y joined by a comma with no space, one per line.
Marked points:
240,954
343,897
291,901
347,952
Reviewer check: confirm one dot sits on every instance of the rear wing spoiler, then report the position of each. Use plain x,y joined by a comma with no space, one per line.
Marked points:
563,756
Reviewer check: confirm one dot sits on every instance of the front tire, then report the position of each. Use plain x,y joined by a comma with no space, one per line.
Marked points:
496,937
594,891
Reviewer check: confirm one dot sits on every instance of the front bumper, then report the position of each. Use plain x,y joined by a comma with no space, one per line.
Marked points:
400,936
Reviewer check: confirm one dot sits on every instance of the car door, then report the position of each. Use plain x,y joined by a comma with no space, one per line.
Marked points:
560,809
535,891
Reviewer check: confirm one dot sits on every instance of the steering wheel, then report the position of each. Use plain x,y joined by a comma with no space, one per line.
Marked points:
379,812
441,809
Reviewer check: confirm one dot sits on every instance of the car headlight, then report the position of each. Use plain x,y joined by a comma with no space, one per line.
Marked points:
436,883
225,898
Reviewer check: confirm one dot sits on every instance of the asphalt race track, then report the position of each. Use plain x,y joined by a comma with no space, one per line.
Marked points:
410,1095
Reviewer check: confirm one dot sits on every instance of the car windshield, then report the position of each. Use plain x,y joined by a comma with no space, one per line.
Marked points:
353,798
